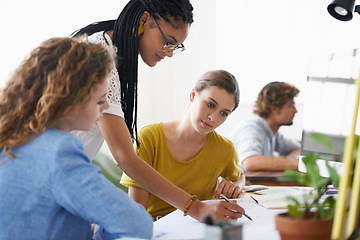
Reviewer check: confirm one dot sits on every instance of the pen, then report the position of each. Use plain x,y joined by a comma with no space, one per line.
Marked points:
222,196
254,199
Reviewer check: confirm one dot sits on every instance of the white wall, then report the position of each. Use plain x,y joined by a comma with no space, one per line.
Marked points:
258,41
164,89
263,41
25,24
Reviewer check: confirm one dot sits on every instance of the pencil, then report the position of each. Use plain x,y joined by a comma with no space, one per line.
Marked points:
254,199
222,196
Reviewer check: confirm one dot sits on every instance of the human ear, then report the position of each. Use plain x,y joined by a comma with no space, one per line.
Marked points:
275,110
144,18
192,95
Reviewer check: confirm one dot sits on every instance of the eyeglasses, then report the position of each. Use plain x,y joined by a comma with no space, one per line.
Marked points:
168,45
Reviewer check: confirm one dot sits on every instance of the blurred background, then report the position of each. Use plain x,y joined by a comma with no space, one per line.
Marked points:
257,41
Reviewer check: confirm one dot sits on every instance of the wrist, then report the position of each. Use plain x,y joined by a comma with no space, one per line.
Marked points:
191,201
195,210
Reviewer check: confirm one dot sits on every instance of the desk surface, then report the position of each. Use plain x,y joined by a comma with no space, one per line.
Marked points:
177,226
268,178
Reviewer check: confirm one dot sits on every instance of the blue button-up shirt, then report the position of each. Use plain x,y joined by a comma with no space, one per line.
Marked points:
255,137
52,191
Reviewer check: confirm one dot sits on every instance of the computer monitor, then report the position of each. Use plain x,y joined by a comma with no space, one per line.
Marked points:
328,110
338,166
309,145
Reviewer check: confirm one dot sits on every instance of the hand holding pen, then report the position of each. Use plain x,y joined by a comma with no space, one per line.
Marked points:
222,196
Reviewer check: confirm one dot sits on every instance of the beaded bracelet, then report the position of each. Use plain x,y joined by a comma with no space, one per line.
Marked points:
189,204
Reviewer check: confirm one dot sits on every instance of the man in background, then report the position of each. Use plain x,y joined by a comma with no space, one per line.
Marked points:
258,142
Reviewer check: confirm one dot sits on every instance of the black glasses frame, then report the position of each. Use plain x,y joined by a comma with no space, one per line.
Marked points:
168,45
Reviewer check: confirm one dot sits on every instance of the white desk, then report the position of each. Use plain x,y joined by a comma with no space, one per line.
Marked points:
176,226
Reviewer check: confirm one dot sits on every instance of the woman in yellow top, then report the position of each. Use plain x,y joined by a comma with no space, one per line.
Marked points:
188,152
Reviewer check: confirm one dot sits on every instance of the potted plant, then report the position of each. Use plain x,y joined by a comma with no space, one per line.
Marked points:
312,217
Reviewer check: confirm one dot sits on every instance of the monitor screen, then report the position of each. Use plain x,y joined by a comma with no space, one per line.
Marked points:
328,110
329,105
310,145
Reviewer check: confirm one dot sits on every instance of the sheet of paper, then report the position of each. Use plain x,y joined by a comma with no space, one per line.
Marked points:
257,212
275,197
176,226
263,224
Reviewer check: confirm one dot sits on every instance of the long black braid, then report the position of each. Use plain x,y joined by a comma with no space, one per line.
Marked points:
126,42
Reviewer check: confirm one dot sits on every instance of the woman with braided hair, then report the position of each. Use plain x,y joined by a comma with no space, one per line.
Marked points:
155,29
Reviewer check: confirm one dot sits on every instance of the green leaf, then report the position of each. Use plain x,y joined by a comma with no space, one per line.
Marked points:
322,183
334,176
325,140
327,208
312,169
312,178
295,211
294,200
292,176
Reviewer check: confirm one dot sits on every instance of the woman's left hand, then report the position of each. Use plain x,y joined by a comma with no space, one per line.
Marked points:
228,188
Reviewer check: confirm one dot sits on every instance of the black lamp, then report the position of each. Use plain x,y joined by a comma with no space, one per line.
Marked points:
342,9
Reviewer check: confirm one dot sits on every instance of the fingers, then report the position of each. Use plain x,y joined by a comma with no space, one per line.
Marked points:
228,188
218,192
234,207
224,211
236,192
230,211
220,189
231,190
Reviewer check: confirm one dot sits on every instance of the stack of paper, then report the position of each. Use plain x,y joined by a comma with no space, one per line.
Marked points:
276,197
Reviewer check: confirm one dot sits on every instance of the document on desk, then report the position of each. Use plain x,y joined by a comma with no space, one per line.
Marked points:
177,226
276,197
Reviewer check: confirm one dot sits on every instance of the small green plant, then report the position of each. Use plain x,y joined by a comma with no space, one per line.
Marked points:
314,206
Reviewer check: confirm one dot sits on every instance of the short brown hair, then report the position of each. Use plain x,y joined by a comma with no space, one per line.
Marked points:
274,94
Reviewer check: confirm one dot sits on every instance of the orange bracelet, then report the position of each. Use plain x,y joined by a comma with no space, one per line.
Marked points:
189,204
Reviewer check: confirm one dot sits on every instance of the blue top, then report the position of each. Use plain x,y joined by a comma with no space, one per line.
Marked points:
255,137
52,191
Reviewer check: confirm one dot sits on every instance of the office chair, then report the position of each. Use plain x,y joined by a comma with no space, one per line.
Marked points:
109,169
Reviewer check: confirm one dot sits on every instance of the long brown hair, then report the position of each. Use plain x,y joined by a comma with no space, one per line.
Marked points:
51,84
222,79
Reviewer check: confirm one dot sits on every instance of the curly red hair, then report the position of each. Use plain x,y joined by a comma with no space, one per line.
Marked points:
51,84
